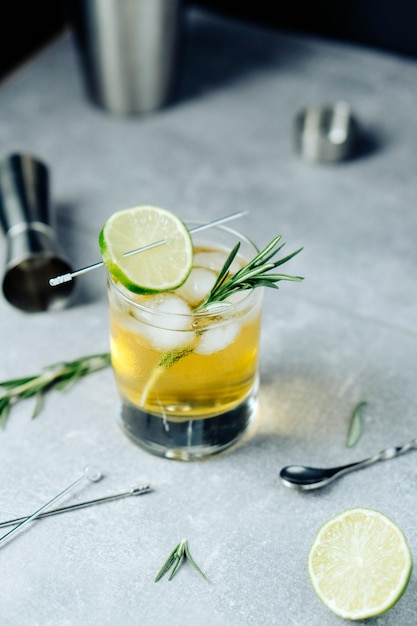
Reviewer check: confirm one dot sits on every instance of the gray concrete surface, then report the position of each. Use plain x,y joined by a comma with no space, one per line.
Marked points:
348,333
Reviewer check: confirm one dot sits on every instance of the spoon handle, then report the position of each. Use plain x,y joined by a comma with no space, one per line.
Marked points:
383,455
389,453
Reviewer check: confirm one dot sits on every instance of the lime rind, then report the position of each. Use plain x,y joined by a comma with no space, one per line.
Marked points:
336,569
160,269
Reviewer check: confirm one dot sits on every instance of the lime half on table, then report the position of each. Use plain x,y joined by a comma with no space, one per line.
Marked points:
158,269
359,564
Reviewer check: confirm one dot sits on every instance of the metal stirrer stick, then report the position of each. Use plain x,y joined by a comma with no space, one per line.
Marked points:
64,278
136,491
91,474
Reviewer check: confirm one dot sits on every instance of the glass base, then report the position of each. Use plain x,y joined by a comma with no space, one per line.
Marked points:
189,440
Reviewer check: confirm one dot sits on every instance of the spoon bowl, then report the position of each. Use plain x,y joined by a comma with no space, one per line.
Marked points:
304,478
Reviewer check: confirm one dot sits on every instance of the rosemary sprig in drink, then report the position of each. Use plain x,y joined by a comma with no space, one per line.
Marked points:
256,273
58,376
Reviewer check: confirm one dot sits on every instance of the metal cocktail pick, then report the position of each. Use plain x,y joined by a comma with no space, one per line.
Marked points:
64,278
135,491
90,473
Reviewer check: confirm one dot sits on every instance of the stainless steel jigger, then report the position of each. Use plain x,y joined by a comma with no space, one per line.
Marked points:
325,133
33,255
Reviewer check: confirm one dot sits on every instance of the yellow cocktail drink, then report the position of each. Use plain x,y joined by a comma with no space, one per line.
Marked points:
188,377
200,385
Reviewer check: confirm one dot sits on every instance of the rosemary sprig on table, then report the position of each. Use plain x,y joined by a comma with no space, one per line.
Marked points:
256,273
58,376
175,559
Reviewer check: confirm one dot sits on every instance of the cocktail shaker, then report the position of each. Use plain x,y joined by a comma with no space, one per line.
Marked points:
33,254
128,51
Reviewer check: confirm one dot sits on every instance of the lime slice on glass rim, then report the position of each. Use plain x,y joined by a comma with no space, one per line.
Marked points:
359,564
158,269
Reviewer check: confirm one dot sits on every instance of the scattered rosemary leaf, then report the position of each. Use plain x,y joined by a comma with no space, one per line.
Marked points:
179,553
57,376
355,426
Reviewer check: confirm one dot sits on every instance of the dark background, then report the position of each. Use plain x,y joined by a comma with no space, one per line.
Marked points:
26,26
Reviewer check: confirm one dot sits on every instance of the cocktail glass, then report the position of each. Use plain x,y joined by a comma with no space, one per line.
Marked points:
187,378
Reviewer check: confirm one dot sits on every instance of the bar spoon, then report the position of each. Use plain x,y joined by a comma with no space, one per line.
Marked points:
305,478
